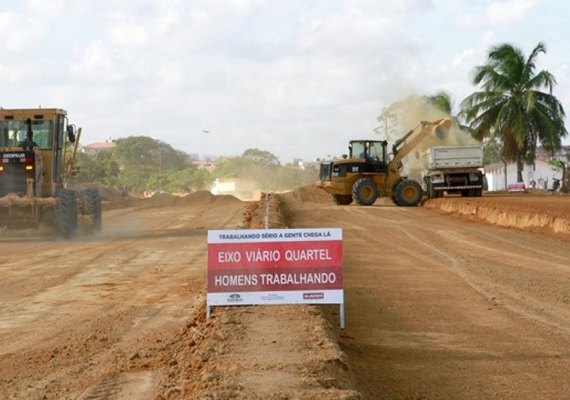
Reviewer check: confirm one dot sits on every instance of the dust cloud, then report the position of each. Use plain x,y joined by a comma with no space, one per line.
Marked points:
411,112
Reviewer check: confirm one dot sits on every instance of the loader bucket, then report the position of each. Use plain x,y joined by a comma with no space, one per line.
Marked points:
442,129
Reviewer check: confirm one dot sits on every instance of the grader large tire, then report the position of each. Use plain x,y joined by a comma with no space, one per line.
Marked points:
342,199
65,214
408,193
364,191
93,207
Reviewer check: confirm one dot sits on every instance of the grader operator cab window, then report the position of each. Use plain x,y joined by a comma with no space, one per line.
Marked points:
13,132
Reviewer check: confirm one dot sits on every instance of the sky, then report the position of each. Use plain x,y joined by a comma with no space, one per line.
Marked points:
297,78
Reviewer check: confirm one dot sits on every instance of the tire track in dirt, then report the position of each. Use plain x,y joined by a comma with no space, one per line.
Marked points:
551,310
426,319
135,285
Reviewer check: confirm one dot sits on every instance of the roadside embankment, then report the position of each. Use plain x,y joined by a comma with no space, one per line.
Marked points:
548,214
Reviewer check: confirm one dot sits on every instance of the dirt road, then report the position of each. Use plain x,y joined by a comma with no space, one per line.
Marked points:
442,308
437,307
100,317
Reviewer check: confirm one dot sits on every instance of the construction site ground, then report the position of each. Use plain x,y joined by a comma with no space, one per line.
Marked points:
460,298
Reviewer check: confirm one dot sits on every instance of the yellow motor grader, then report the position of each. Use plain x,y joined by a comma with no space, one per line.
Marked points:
37,155
367,172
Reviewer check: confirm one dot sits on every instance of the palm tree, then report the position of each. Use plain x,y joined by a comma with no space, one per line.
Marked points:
512,105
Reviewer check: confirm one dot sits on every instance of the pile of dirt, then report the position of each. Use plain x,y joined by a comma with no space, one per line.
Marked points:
248,353
308,193
201,198
537,213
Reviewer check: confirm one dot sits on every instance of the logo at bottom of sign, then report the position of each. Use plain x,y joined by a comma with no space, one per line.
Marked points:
234,298
313,296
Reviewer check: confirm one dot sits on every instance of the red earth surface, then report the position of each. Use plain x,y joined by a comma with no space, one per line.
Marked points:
461,298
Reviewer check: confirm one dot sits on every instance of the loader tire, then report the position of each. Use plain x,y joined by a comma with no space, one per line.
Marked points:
408,193
93,207
342,199
65,218
364,191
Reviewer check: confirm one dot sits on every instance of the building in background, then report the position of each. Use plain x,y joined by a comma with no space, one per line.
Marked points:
98,147
540,175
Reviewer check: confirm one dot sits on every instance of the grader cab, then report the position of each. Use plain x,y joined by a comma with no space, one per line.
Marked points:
37,154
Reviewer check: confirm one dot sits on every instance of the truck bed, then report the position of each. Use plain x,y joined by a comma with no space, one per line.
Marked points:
456,157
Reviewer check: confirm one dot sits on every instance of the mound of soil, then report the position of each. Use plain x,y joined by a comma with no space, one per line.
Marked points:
538,213
308,193
201,198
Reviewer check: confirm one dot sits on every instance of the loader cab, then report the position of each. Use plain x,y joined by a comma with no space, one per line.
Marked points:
46,127
373,152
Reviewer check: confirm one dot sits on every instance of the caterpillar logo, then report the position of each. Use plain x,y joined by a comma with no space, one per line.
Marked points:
14,155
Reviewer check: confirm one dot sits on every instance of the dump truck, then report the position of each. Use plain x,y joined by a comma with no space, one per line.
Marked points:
37,156
368,172
454,170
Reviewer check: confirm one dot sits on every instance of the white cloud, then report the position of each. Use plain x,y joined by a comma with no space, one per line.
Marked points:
465,55
18,32
51,8
292,77
171,74
129,33
472,16
508,12
97,64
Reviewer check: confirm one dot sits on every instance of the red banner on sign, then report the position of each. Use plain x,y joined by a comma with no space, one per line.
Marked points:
275,254
270,279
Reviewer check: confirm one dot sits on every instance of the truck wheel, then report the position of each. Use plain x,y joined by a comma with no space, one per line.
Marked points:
408,193
364,191
65,218
93,207
342,199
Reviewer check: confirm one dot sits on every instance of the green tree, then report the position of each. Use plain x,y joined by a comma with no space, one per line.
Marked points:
137,151
99,168
492,150
185,180
142,157
513,106
261,157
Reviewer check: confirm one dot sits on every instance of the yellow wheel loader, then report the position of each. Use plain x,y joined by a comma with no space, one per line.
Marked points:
368,173
37,154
